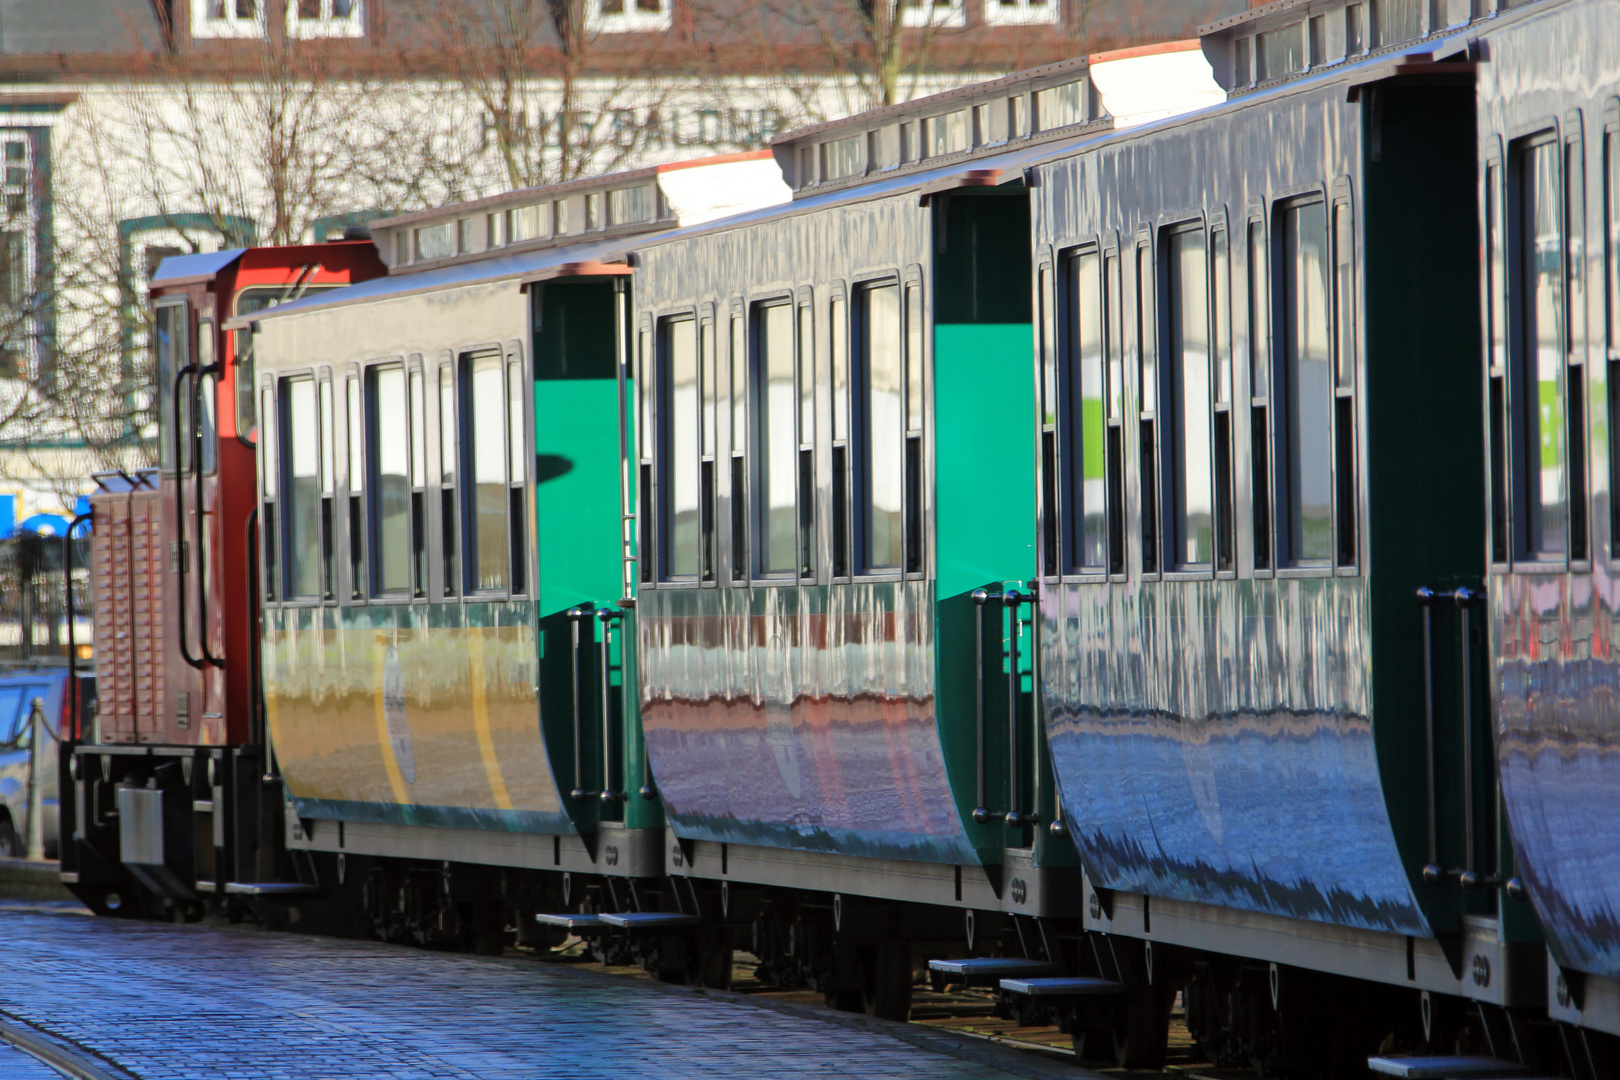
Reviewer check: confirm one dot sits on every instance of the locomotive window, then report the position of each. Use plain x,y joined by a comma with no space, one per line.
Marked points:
778,443
302,462
679,481
449,456
1188,400
172,345
357,488
1540,451
1305,488
390,481
485,466
1087,534
882,427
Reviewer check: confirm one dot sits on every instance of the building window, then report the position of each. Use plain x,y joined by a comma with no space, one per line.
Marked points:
627,16
227,18
933,13
324,18
1020,12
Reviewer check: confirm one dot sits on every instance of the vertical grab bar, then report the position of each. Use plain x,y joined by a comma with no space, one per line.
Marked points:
579,792
1015,793
606,617
981,812
180,518
210,370
1432,871
1469,878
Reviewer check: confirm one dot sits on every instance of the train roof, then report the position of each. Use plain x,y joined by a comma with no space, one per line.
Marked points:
207,265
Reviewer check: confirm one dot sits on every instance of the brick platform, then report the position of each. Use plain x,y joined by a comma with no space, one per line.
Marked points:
184,1002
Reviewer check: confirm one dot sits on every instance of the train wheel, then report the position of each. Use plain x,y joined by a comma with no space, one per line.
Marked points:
886,993
715,961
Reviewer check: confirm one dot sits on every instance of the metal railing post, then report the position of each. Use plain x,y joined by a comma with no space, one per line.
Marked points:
36,787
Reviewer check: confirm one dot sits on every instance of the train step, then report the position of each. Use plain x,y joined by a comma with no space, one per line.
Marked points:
270,888
990,970
571,921
1447,1067
651,920
1062,986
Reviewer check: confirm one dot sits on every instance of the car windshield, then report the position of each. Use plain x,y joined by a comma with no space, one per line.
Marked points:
15,702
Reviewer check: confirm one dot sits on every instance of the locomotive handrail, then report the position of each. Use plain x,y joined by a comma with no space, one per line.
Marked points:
72,735
180,520
981,812
1009,598
208,656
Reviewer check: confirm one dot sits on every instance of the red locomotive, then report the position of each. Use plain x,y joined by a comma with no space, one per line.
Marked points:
179,754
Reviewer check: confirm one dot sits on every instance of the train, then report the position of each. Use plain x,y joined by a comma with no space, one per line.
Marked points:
1090,534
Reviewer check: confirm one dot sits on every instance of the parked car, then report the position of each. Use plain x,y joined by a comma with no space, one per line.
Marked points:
19,686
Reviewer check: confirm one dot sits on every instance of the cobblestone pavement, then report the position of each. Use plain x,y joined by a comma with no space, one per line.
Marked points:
193,1003
16,1065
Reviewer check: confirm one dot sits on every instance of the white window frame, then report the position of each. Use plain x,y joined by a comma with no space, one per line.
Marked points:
1020,12
630,20
932,13
228,27
326,25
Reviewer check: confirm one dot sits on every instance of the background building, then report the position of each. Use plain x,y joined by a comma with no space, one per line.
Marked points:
135,129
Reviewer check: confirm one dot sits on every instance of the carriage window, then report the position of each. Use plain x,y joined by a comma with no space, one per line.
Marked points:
1542,473
1113,308
1496,326
1050,510
390,480
302,462
1611,219
681,451
484,464
1087,535
882,427
646,390
1259,412
1344,402
418,484
1148,381
1306,386
517,478
778,442
707,490
807,439
449,457
739,449
1575,339
1188,400
269,462
1221,336
357,488
839,346
328,489
915,360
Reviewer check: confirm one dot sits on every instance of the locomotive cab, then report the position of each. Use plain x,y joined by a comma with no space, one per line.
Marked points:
175,799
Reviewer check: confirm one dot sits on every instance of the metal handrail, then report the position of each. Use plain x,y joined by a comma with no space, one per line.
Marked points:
575,615
197,473
180,519
607,617
1467,875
